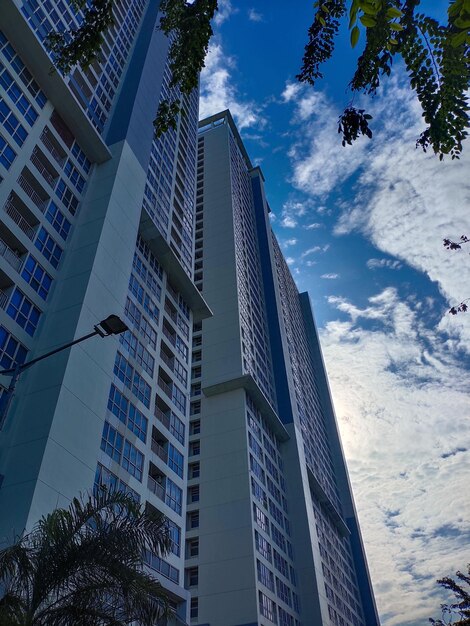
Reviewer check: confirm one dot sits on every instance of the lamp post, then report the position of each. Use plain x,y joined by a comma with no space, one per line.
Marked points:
112,325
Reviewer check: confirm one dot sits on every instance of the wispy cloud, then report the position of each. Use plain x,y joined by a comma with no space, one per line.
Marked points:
401,396
315,249
224,12
329,276
254,15
312,226
219,92
289,242
391,264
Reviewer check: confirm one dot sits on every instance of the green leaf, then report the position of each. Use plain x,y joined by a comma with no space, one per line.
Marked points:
393,13
462,23
396,26
368,21
354,36
458,39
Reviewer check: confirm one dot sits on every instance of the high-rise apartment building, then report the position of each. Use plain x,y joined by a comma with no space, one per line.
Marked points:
272,534
96,217
236,441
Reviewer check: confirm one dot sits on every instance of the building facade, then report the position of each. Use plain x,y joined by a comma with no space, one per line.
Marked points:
96,217
214,406
272,533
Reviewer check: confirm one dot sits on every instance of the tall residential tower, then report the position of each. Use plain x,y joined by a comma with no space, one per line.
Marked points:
236,441
96,217
272,533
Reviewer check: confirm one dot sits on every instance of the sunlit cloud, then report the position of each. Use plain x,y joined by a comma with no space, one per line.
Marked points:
391,264
329,276
218,91
224,12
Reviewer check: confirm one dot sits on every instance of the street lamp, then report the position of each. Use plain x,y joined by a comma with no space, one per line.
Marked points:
112,325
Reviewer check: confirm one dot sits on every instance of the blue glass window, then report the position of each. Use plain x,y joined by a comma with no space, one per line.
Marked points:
175,460
11,123
74,176
12,352
13,90
23,312
58,220
133,460
7,154
67,196
112,442
50,249
36,276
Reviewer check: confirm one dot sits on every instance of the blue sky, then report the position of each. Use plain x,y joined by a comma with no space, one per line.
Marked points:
362,228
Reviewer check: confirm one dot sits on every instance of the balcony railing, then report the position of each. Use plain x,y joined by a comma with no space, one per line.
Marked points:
171,312
52,149
159,451
16,216
168,360
156,488
3,299
169,335
32,193
45,173
165,386
162,417
7,253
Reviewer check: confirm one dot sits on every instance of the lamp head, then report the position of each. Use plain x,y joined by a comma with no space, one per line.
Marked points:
113,325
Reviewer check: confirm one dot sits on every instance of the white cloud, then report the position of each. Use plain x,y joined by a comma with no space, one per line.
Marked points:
254,16
224,12
218,91
313,226
291,211
317,160
289,242
401,397
391,264
291,91
290,260
330,276
315,249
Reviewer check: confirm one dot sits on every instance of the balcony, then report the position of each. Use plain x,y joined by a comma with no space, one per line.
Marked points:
3,299
44,167
163,384
33,190
53,146
159,450
169,334
13,259
168,360
156,488
11,209
163,417
171,311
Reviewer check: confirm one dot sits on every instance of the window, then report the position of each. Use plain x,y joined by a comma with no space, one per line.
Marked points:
194,493
107,481
261,519
195,427
265,575
23,311
132,379
67,196
194,608
112,442
195,407
173,496
177,428
258,492
193,548
285,618
46,244
36,276
256,468
178,398
263,546
58,220
193,576
193,519
11,123
194,448
74,176
283,591
12,352
194,470
133,460
267,608
175,460
13,90
280,564
175,537
7,154
138,351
